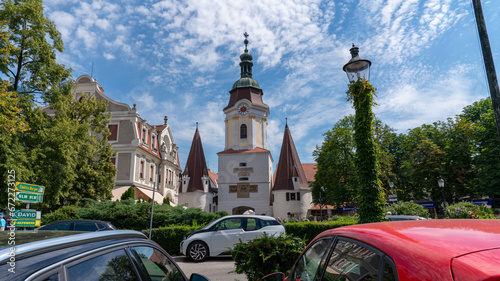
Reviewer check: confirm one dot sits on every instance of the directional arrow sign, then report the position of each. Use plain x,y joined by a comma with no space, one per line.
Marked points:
26,214
29,197
26,223
27,187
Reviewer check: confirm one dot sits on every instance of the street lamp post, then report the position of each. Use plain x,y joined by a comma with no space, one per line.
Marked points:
321,203
361,93
441,185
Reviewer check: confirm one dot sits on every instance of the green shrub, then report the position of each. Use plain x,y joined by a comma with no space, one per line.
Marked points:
308,230
128,214
467,210
407,209
266,254
129,194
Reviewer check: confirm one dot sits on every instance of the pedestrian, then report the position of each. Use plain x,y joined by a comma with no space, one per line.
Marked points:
3,222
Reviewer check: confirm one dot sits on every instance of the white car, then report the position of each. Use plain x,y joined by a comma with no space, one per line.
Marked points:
222,234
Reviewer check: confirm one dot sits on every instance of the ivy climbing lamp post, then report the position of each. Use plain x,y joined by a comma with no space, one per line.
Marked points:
361,93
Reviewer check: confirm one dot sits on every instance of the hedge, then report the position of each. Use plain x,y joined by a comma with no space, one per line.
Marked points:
169,238
128,214
308,230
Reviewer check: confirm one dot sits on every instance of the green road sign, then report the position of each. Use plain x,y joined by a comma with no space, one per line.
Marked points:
27,187
27,214
26,223
29,197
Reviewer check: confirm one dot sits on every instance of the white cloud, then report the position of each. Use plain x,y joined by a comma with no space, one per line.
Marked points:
109,56
65,23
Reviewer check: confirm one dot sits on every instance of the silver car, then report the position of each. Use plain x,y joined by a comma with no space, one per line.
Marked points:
222,234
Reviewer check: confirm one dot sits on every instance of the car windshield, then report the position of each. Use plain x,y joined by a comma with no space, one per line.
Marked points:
27,236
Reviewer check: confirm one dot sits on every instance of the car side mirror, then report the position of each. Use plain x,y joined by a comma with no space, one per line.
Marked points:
277,276
198,277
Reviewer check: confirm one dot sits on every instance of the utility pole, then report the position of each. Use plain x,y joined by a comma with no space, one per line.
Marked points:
488,61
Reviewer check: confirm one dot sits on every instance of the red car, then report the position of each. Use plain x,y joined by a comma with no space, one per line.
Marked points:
459,250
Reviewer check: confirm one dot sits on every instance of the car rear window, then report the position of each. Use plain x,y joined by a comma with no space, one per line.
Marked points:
265,223
58,226
85,226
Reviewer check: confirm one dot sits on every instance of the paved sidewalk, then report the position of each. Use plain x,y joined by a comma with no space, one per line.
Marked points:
216,268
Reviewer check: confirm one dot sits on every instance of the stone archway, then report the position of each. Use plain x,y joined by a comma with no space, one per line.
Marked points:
242,209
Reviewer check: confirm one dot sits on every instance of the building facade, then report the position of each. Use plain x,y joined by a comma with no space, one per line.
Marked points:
146,155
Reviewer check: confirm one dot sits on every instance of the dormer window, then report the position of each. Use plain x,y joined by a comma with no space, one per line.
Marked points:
153,142
243,131
144,135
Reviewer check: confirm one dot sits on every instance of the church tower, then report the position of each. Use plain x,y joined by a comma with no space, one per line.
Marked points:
245,165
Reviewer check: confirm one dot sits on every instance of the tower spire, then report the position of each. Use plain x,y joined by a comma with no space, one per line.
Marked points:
246,60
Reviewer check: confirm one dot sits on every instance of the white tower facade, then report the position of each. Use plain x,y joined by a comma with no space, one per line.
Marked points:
245,165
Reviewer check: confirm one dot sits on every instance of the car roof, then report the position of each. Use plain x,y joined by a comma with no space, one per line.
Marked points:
417,244
403,216
78,220
67,241
451,237
249,216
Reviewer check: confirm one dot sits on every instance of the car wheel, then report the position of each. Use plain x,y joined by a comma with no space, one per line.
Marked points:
197,251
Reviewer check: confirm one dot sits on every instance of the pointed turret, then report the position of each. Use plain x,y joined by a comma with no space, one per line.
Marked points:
289,173
196,172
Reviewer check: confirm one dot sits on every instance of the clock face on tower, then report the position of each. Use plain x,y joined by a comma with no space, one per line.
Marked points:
243,109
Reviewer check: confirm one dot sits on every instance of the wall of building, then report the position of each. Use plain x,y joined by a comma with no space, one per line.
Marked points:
281,207
236,191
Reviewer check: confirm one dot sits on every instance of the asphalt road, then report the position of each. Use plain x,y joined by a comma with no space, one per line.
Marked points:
216,268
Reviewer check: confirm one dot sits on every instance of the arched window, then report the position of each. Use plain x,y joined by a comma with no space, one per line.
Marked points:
243,131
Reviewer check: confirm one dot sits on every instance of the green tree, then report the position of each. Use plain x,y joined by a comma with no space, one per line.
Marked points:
486,160
54,147
426,153
336,170
32,66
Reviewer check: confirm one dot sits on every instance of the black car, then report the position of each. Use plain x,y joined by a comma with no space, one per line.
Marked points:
109,255
78,225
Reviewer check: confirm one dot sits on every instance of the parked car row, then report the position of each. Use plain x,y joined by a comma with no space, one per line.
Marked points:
68,255
414,249
456,250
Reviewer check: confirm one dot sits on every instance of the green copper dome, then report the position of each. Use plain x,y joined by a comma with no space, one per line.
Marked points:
246,82
246,64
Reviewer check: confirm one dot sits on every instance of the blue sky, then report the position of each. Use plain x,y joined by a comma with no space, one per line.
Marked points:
181,58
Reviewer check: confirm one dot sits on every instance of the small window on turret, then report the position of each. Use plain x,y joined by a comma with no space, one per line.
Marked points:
243,164
244,179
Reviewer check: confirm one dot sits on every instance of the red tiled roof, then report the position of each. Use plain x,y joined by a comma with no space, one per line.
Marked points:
323,206
255,150
213,176
249,93
309,170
